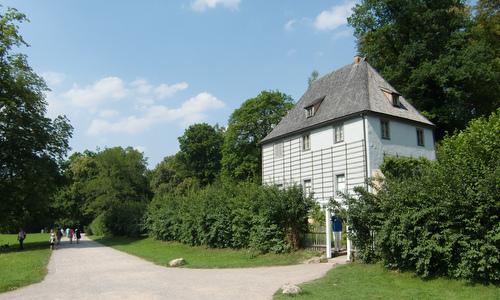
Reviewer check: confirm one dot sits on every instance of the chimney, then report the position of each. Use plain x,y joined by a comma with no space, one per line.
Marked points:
357,59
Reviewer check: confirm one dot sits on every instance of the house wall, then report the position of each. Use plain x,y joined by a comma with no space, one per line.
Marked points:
322,163
402,142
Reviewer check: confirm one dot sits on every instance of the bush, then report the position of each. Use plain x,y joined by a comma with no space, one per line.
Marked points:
441,217
244,215
122,219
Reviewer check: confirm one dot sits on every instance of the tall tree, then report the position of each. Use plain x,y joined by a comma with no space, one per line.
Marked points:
256,117
97,182
201,151
428,50
314,75
32,146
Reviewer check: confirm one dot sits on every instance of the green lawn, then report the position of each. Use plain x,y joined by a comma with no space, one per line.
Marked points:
359,281
199,257
20,268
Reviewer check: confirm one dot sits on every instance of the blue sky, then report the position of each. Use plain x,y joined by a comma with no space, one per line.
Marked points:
137,73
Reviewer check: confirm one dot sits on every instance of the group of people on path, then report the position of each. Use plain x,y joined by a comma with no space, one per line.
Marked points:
70,233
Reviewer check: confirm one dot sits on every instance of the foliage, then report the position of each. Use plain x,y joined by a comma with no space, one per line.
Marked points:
122,219
221,215
111,184
442,218
438,54
372,281
171,176
200,151
32,146
313,77
247,126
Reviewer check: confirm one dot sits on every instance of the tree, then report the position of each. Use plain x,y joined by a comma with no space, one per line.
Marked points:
313,77
200,147
256,117
100,182
32,146
431,53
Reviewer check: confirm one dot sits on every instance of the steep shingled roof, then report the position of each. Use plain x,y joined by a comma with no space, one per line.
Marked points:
352,89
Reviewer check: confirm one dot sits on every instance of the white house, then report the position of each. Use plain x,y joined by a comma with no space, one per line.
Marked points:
338,133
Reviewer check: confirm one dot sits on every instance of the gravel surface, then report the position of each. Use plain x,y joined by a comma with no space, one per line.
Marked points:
92,271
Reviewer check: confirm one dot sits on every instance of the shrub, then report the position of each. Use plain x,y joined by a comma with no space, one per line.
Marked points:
122,218
441,217
243,215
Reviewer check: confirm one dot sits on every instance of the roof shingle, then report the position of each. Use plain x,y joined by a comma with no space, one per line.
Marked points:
352,89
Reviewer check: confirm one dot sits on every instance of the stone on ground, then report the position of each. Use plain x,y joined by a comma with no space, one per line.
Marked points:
290,289
177,262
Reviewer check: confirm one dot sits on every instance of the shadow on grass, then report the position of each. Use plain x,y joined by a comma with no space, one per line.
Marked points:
116,240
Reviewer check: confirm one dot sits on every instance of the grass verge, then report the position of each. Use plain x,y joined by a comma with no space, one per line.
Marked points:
20,268
360,281
161,253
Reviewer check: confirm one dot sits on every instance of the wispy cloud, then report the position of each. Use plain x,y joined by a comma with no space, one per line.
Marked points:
53,79
109,88
192,110
202,5
334,17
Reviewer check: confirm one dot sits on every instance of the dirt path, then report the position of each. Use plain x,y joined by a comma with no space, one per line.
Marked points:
92,271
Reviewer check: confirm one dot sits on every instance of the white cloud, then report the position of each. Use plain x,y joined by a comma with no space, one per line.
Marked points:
290,24
53,78
140,148
334,17
108,88
141,86
166,91
202,5
108,113
192,110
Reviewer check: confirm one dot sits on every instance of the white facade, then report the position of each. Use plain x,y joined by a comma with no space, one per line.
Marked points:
328,166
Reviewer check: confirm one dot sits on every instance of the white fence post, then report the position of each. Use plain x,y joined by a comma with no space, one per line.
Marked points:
328,232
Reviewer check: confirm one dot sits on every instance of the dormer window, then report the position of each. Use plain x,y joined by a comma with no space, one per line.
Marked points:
395,100
313,107
309,111
393,97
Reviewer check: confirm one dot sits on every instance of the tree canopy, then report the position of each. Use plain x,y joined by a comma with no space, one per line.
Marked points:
438,54
256,117
200,151
32,146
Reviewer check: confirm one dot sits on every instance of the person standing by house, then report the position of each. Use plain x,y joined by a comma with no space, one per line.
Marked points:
20,237
78,235
337,230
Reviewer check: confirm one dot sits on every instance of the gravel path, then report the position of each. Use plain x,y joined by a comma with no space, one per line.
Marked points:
92,271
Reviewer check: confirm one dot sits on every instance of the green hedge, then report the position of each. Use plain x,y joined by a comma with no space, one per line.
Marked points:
441,217
243,215
121,219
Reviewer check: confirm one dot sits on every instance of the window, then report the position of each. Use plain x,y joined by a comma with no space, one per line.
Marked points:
395,100
306,142
339,133
278,150
307,187
384,126
420,137
309,111
340,180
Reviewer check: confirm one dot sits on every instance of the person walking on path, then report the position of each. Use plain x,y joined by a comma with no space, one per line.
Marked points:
20,237
59,236
67,232
52,239
71,233
78,235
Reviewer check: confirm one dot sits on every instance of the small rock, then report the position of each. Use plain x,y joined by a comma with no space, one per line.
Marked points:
290,289
177,262
323,259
